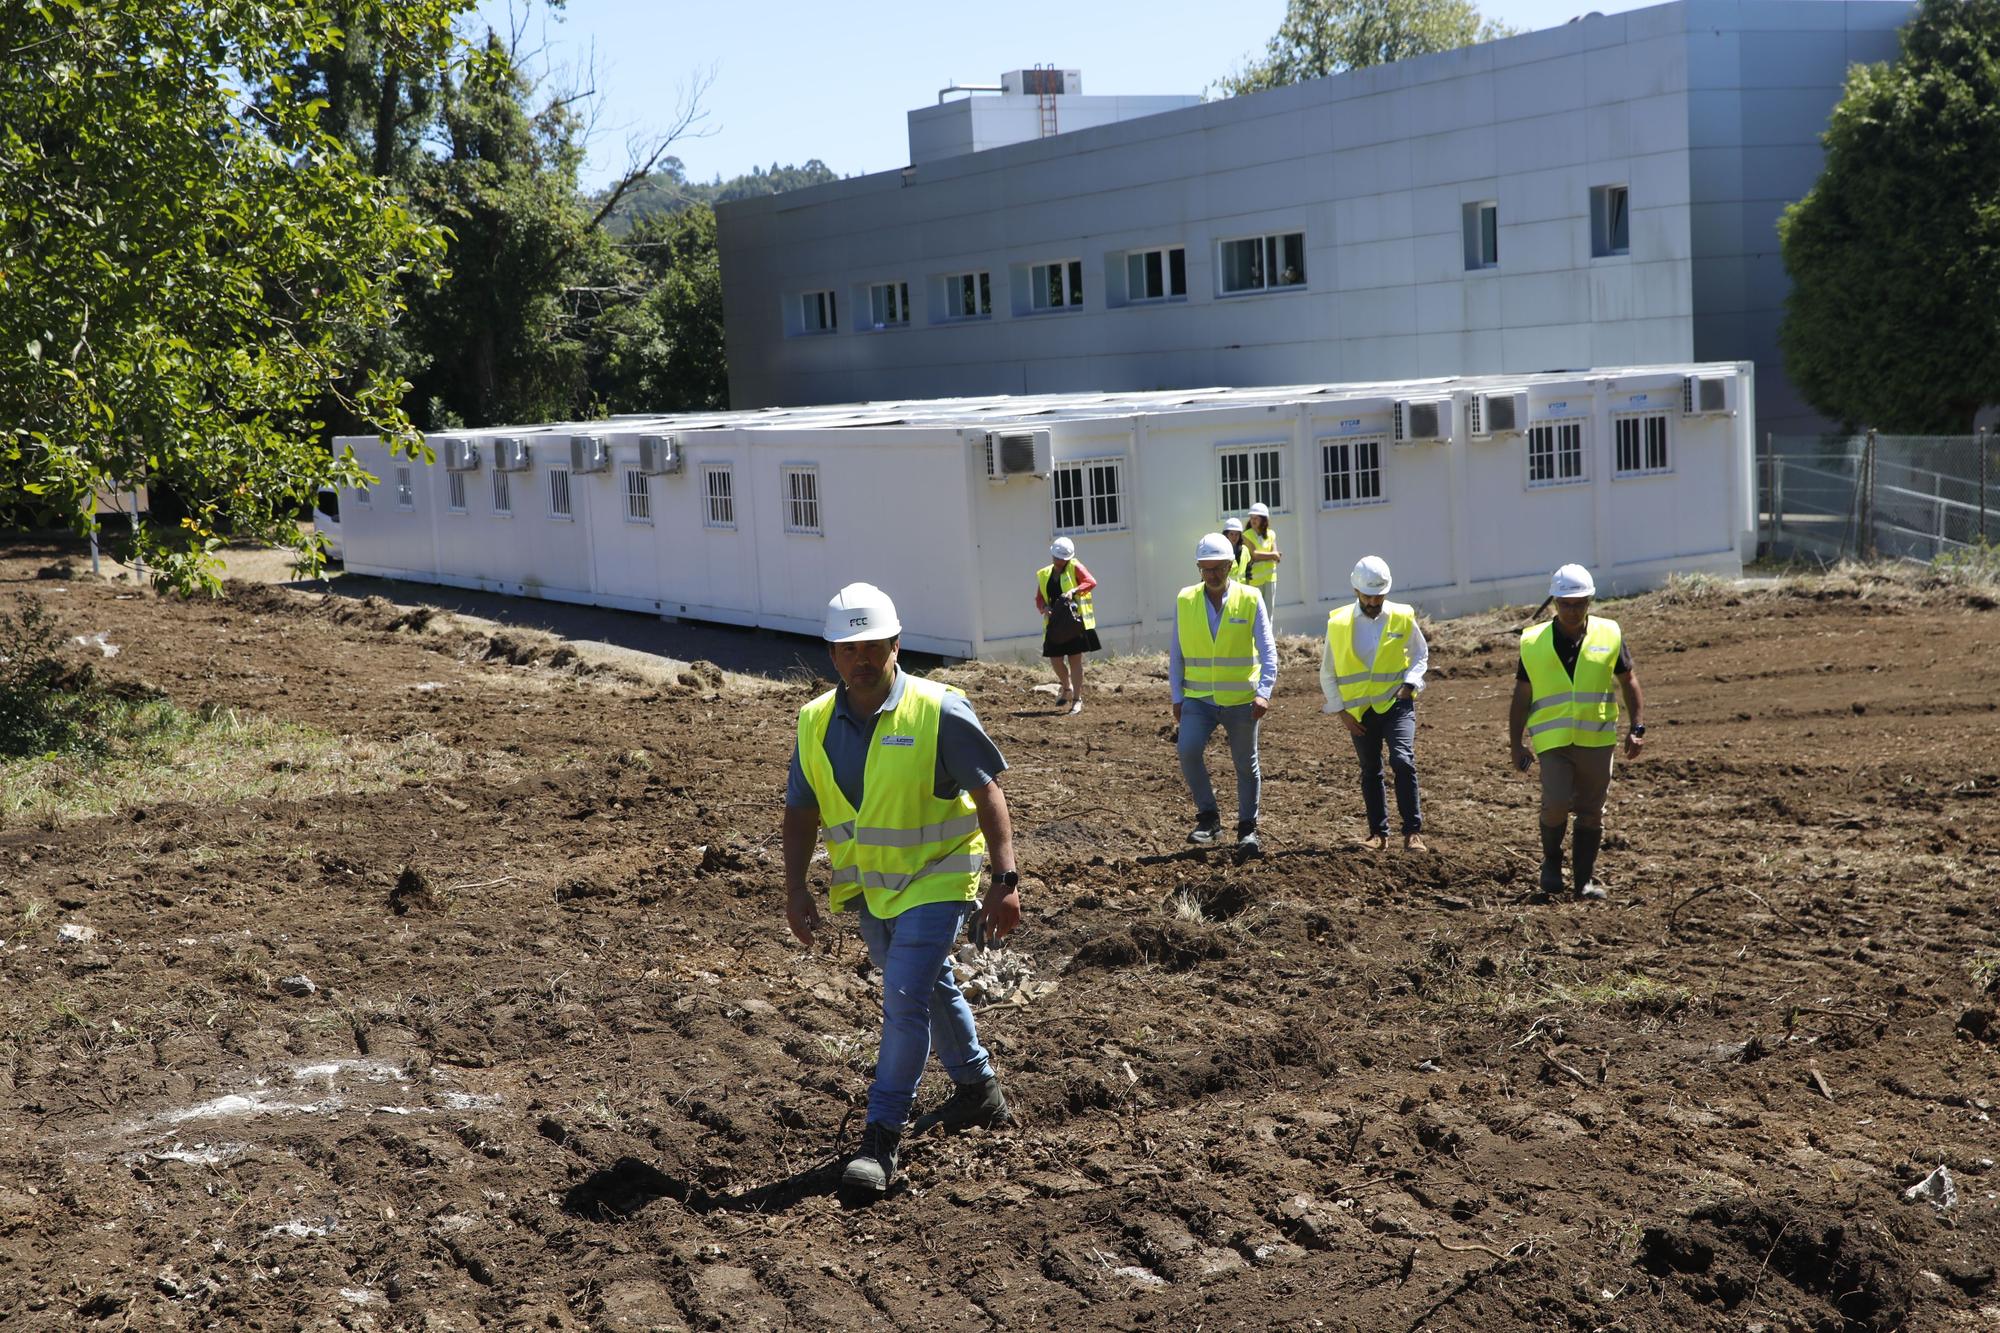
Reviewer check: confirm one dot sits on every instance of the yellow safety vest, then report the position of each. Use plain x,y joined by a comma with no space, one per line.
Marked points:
1565,711
904,847
1370,685
1221,666
1084,610
1261,572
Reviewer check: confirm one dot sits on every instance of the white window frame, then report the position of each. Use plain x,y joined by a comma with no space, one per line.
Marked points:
362,497
638,497
802,503
1271,250
1255,488
1606,202
981,282
1071,282
454,492
1098,501
888,305
1166,253
718,510
503,494
560,490
1344,465
819,313
1482,244
406,488
1547,437
1636,424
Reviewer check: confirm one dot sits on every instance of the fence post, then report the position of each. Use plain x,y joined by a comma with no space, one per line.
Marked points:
1982,486
1865,539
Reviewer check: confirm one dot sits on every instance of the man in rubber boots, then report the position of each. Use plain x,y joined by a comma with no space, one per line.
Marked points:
1565,714
903,780
1222,665
1371,668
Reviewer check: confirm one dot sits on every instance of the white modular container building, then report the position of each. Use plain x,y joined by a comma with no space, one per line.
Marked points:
1472,488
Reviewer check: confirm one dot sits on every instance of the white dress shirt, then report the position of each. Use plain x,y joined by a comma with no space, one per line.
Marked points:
1368,638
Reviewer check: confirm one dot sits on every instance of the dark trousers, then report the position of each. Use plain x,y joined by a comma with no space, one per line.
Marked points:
1398,729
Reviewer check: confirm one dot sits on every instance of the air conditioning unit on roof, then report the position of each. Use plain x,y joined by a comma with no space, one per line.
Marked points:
461,455
1423,421
511,453
1708,396
589,453
660,454
1019,453
1489,415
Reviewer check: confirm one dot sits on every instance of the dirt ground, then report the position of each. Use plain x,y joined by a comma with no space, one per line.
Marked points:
562,1067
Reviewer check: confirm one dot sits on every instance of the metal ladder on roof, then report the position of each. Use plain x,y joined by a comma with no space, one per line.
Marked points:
1045,97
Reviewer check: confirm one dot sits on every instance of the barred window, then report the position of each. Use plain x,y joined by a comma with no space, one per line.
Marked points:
503,493
638,496
802,500
1555,453
1089,495
1641,444
719,485
455,488
406,490
1253,475
1350,471
559,501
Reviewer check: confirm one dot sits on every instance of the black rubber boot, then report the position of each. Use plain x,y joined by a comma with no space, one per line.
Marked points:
1552,857
873,1169
1587,842
978,1105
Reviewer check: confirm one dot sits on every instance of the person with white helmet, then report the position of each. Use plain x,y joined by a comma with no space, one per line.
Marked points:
1371,669
1565,715
903,780
1069,619
1260,569
1222,665
1232,528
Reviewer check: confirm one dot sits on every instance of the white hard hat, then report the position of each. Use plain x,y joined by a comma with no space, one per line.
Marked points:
1260,510
1062,548
861,611
1214,546
1370,576
1232,525
1572,581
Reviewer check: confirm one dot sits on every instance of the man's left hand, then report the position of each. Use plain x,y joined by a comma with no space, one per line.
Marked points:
999,914
1259,707
1408,694
1633,744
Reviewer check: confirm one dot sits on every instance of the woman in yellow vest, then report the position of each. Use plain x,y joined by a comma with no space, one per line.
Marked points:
1222,665
1069,620
1370,669
1260,567
900,775
1565,715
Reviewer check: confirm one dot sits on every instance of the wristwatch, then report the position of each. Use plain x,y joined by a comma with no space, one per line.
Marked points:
1638,728
1007,879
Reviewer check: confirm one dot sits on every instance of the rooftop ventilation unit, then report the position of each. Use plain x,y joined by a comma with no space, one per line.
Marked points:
1489,415
1708,396
1018,453
461,455
511,453
1422,422
660,454
589,453
1042,82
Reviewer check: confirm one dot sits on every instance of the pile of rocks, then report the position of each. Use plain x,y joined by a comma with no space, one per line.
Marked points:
998,975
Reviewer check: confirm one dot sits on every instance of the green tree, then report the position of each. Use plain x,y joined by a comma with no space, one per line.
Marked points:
189,259
1893,319
662,348
1322,37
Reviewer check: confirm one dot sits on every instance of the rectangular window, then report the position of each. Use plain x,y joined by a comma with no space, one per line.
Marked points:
1555,453
719,487
455,497
503,492
638,496
363,498
1055,286
1641,440
1610,220
1156,275
559,504
1253,474
889,305
802,500
1089,495
1262,263
406,490
1350,471
968,295
817,313
1482,235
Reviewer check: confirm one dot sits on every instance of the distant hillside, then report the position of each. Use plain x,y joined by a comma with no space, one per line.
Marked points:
668,189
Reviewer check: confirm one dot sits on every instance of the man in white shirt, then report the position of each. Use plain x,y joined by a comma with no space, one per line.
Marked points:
1371,668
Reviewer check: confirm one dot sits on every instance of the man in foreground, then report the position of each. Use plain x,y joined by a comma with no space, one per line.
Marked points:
1222,665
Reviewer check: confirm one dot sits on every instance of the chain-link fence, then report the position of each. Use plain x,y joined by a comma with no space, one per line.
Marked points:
1826,497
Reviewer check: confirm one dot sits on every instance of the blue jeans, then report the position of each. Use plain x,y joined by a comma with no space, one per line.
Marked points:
1199,719
1398,728
922,1009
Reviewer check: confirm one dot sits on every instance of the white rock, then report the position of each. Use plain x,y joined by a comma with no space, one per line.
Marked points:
71,932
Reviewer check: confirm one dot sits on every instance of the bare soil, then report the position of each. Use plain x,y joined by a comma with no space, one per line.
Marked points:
560,1065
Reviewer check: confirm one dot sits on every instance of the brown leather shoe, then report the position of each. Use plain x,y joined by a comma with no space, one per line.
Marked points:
1414,842
1375,842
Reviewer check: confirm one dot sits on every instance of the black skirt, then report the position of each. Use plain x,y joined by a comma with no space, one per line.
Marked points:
1075,640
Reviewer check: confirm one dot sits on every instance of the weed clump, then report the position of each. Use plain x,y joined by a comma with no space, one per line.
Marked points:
49,702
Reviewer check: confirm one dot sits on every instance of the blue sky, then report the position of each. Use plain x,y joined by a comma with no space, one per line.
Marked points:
794,80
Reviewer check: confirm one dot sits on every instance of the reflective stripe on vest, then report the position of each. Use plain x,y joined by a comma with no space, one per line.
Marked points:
1084,610
904,846
1260,572
1572,711
1376,685
1221,666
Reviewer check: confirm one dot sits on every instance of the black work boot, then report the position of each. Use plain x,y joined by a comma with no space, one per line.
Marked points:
978,1105
873,1169
1552,857
1207,828
1248,845
1587,842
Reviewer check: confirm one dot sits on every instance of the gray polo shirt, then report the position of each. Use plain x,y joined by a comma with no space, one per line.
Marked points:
967,759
